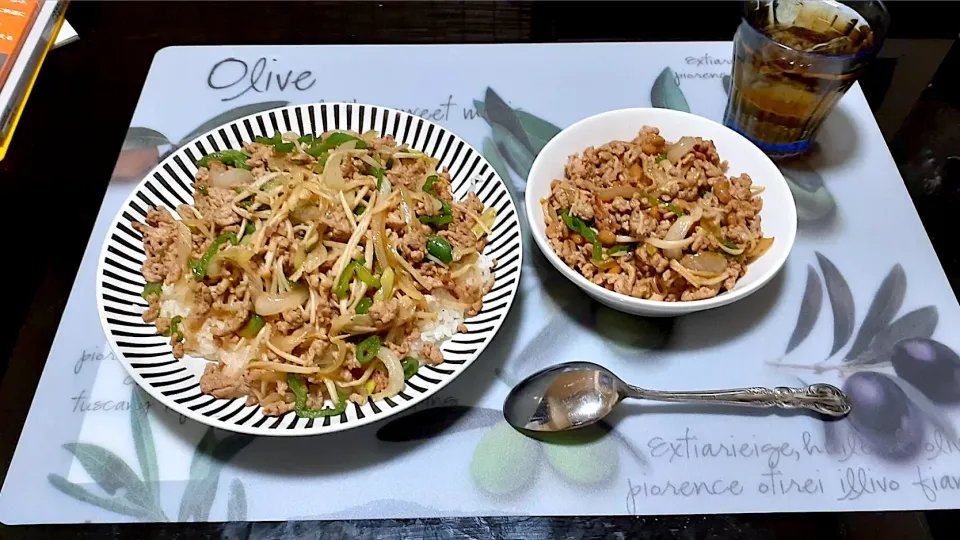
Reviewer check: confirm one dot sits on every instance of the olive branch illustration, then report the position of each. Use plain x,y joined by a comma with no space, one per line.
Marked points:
891,412
126,492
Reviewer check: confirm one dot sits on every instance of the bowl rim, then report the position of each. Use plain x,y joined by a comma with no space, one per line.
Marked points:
534,212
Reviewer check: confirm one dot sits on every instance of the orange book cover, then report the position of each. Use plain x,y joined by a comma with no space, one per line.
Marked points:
16,19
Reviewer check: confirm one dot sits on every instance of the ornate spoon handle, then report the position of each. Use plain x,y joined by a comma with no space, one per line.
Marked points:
822,398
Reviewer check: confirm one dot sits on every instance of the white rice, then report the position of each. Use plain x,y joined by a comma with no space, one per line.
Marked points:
172,304
444,326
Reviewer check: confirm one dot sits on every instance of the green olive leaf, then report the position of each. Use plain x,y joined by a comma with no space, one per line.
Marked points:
481,109
538,130
666,94
515,153
143,442
841,302
498,113
111,473
809,310
113,505
208,460
237,504
885,305
143,137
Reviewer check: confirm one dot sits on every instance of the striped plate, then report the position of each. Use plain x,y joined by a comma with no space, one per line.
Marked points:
176,383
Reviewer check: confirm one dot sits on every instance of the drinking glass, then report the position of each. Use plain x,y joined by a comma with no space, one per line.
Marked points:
792,61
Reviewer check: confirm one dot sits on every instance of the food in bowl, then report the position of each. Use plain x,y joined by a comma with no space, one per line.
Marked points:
313,271
655,220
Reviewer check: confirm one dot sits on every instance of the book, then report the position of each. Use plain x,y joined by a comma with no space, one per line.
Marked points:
28,29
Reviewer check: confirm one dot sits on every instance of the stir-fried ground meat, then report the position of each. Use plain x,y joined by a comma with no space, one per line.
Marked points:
669,223
299,280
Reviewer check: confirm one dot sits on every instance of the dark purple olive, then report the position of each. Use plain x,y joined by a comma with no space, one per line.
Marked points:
883,415
929,365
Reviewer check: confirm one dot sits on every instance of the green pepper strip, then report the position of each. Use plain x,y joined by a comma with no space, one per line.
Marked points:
365,276
661,157
306,139
728,244
368,349
437,220
199,267
445,217
428,185
410,367
248,231
358,211
577,225
174,328
440,248
299,389
622,248
151,288
253,326
673,208
344,281
363,306
378,173
318,147
203,190
277,142
235,158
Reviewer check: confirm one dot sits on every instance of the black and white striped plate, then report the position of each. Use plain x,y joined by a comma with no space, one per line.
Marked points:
176,383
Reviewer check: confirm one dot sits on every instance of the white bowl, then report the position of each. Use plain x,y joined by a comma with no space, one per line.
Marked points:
779,214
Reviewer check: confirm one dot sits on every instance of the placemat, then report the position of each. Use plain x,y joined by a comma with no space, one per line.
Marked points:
862,303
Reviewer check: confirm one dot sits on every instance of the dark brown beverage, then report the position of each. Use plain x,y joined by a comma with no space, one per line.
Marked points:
793,60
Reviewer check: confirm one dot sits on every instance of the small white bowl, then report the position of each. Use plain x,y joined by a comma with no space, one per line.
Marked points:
779,214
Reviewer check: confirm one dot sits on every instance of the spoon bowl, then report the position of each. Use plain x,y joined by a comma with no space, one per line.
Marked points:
576,394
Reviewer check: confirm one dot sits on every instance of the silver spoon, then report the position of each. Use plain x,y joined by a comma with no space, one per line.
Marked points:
577,394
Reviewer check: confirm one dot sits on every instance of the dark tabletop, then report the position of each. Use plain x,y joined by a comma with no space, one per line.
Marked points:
89,89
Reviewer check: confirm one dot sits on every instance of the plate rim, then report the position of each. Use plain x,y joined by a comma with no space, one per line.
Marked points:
318,428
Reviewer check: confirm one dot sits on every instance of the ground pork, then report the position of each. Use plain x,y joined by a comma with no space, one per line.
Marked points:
217,204
160,241
649,193
219,385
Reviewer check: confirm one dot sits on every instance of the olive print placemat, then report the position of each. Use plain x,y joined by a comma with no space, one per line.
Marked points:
847,309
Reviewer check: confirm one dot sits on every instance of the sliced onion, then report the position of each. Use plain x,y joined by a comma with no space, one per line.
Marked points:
184,244
627,192
378,228
406,207
707,261
394,374
305,214
669,244
230,178
713,281
288,343
332,175
271,304
732,251
680,149
760,248
315,258
485,222
679,230
684,273
368,160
